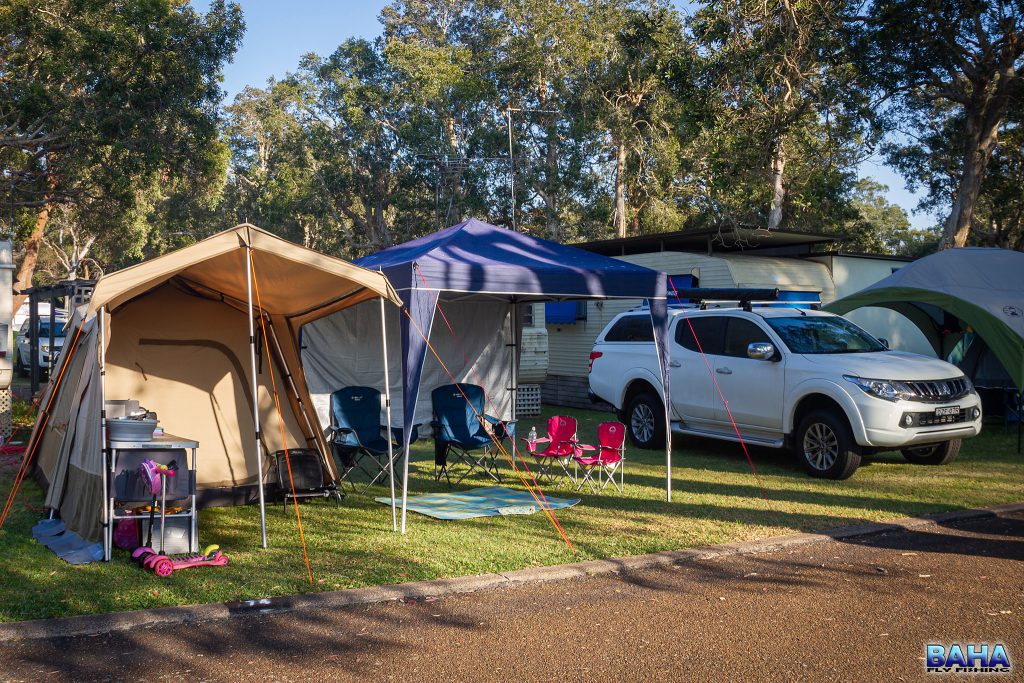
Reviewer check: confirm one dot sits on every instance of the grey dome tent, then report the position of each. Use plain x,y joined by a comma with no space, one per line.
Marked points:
981,287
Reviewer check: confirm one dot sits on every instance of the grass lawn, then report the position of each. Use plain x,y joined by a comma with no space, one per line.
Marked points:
716,500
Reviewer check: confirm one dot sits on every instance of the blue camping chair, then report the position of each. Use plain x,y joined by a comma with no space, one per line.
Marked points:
458,431
357,436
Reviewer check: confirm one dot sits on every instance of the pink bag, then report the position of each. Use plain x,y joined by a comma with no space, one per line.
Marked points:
126,534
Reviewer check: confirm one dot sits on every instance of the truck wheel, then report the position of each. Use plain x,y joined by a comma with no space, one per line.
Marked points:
646,421
21,367
933,453
825,446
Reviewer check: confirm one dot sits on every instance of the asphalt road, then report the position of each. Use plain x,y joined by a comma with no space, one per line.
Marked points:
859,610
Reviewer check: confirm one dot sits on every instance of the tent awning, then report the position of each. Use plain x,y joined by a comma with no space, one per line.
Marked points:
294,281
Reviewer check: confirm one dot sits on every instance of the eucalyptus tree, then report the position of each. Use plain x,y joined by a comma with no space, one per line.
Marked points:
952,69
785,121
545,49
443,55
99,102
632,99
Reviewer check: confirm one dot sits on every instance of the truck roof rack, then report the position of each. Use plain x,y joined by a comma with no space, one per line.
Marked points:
745,298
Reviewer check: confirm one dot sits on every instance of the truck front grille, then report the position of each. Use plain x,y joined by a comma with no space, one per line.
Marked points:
938,391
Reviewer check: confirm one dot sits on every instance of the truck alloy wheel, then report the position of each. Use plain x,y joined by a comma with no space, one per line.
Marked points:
825,446
646,421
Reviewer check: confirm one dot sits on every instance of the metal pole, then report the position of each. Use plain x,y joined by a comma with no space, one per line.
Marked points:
387,410
33,342
668,432
53,334
108,455
668,455
514,339
255,394
511,167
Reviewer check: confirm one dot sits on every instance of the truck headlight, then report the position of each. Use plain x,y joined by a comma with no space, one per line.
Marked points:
887,389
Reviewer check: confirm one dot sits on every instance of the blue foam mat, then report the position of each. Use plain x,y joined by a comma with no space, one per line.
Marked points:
490,501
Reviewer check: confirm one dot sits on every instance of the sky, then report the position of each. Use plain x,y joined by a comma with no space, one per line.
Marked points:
279,32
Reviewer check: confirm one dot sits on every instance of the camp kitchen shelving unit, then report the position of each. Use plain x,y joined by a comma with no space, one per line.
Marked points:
122,482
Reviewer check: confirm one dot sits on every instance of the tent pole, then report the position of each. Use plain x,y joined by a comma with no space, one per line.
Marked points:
513,326
108,505
255,394
387,410
668,456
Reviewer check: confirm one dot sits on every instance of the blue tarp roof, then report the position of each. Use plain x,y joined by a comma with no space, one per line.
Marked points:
480,258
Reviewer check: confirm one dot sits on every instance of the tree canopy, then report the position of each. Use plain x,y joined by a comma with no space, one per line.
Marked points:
580,119
109,108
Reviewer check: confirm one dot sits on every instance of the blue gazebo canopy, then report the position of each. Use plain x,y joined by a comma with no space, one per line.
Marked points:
477,260
481,259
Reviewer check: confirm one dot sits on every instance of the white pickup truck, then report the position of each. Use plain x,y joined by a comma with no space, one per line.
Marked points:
806,379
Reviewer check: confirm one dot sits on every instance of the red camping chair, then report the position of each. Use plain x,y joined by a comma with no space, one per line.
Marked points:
561,447
599,469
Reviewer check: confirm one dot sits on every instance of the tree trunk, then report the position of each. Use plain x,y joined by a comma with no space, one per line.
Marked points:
28,265
458,190
551,182
979,141
778,188
620,191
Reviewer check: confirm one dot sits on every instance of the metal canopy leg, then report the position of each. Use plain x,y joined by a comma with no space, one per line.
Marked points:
387,411
255,395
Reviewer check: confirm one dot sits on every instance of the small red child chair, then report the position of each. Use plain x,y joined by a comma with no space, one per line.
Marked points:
599,468
561,447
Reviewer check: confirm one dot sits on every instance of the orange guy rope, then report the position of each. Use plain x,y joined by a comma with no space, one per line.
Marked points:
280,420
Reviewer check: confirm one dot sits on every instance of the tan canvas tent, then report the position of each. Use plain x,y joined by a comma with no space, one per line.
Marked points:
177,333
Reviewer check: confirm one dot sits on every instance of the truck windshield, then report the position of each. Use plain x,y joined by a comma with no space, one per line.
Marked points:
824,334
58,330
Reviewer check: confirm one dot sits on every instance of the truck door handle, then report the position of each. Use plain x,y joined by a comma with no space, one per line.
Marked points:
723,371
675,364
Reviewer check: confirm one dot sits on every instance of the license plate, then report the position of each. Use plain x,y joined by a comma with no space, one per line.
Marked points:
952,410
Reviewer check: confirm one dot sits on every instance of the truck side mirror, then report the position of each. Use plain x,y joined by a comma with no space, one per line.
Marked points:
884,342
761,351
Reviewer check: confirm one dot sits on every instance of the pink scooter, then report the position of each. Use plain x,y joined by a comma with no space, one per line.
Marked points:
164,565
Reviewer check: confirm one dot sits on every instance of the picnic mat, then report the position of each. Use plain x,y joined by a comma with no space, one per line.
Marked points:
489,501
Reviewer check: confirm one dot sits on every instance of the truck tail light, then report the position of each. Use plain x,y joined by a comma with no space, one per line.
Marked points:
594,355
